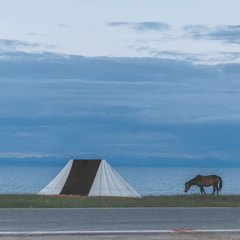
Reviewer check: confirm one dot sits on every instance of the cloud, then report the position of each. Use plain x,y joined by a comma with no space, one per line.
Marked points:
33,34
196,31
63,25
230,33
225,33
142,26
25,155
173,55
205,58
209,58
8,45
12,45
180,155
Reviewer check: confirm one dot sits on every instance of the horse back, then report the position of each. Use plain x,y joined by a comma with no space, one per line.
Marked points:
207,180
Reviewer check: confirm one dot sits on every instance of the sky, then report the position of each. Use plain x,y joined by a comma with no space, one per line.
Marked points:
139,83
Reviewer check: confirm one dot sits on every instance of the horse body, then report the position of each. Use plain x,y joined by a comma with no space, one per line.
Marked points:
205,181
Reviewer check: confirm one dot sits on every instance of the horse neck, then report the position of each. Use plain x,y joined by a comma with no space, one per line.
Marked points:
192,181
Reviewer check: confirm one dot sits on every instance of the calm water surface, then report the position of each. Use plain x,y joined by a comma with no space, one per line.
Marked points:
147,181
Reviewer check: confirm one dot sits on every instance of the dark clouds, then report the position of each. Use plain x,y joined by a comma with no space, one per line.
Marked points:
132,111
52,66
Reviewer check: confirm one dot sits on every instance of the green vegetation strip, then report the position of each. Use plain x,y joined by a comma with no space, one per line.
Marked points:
36,201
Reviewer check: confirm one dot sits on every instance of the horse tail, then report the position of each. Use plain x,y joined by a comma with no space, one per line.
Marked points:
220,183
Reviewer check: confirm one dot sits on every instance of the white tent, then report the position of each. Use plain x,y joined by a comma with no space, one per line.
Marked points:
89,178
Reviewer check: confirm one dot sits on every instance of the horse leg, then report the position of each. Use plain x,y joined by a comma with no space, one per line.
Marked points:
214,189
202,190
215,186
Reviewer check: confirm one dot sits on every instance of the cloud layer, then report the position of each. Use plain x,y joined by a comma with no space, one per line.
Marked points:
133,111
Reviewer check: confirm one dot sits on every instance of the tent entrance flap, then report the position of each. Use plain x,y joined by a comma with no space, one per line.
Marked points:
81,177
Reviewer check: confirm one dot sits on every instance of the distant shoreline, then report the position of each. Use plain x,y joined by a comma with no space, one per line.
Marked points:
37,201
120,163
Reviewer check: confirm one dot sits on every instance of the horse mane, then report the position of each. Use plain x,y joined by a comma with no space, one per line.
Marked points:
193,180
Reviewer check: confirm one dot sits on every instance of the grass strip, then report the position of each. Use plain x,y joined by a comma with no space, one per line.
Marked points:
37,201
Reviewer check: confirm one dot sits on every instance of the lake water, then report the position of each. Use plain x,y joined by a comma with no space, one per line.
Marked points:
147,181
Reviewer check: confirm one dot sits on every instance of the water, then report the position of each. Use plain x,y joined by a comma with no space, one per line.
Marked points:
170,181
147,181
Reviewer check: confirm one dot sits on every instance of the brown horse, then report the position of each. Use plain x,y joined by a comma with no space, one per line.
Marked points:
205,181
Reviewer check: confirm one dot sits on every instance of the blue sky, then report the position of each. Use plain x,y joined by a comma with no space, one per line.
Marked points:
147,83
